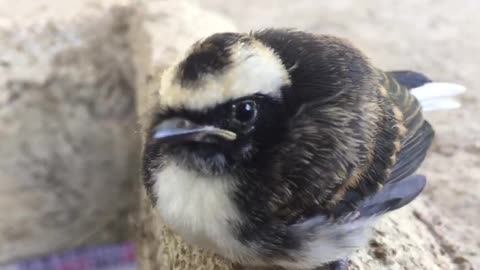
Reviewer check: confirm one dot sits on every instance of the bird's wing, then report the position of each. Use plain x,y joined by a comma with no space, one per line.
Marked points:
394,195
419,133
346,225
410,150
410,92
409,79
413,152
414,93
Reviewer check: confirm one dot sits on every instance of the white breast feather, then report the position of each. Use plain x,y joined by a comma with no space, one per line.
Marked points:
199,208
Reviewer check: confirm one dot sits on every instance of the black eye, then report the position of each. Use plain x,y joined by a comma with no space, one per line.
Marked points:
245,112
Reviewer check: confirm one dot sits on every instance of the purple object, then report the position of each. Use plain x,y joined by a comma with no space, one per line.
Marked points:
113,257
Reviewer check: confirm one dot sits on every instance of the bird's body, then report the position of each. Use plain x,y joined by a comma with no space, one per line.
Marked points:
282,148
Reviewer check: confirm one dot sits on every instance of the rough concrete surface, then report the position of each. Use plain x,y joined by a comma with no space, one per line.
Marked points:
68,151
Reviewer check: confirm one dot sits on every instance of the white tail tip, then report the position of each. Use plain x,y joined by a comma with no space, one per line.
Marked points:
439,96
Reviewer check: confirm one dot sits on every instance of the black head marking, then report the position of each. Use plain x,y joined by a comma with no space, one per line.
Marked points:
211,55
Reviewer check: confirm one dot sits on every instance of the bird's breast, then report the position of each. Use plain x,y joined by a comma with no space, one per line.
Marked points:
198,207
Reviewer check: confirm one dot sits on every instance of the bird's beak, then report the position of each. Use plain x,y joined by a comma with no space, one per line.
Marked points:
178,130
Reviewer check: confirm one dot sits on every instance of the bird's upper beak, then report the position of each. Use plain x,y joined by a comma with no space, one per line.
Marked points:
179,129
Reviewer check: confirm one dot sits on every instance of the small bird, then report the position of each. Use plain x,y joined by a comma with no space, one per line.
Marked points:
282,148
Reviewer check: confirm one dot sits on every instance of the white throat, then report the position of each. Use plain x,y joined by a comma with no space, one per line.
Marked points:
199,208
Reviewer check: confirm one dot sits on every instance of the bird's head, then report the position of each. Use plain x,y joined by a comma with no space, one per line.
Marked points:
221,105
235,97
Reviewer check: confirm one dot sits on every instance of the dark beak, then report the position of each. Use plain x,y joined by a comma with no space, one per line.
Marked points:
180,130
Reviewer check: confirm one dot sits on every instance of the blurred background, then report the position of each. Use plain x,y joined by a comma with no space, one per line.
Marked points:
69,134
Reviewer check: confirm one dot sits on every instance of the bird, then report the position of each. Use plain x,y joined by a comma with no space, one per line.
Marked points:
280,147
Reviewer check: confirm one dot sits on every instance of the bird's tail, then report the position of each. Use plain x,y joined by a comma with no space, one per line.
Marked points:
436,96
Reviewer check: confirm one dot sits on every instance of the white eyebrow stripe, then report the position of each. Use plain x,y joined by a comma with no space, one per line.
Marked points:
255,69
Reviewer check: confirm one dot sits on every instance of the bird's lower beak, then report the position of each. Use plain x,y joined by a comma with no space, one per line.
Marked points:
178,130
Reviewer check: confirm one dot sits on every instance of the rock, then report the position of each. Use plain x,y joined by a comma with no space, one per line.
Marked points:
69,147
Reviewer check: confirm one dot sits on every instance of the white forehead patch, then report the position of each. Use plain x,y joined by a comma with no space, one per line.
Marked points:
254,69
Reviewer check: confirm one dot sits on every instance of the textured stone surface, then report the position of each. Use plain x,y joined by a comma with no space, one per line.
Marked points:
69,148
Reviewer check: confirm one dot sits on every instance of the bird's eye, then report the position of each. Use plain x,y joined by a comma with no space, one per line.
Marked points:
245,112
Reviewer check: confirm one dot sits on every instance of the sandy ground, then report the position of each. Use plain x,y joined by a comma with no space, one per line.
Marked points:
437,37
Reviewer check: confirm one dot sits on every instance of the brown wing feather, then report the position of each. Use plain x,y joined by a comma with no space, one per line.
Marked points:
418,132
401,144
